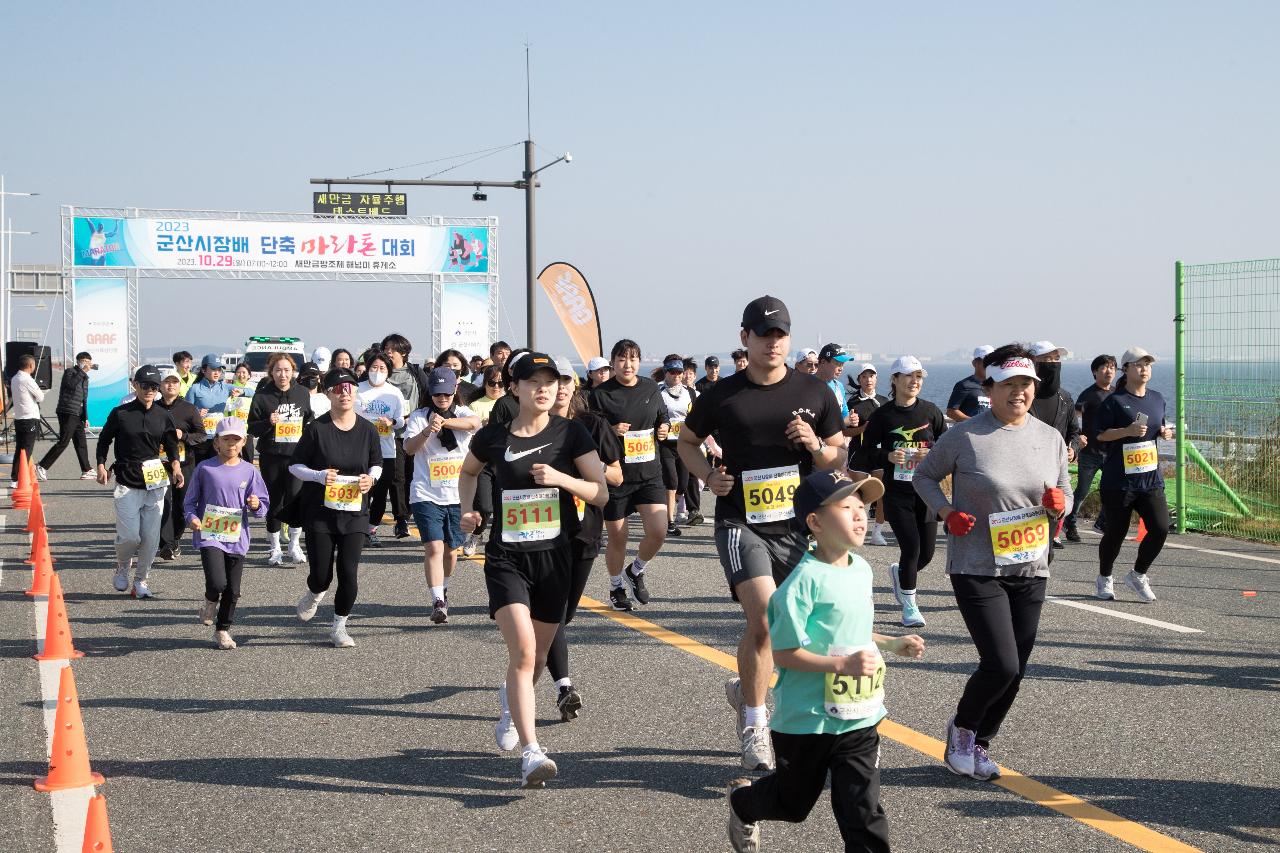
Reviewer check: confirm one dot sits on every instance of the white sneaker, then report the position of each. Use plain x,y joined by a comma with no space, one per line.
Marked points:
682,518
743,837
959,754
275,557
984,768
296,556
505,731
309,604
1139,584
208,610
1104,589
89,475
895,583
224,641
140,590
536,768
470,544
757,748
121,580
41,474
341,639
876,538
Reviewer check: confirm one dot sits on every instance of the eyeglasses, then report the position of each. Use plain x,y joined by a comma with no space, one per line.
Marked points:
148,386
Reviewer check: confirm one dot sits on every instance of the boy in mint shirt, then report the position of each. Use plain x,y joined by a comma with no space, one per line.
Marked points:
830,691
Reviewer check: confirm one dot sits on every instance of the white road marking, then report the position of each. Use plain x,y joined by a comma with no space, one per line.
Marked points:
1181,547
1168,626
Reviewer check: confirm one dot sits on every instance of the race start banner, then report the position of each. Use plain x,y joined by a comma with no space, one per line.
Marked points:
278,246
101,328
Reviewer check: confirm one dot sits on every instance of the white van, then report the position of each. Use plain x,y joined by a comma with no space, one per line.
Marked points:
258,350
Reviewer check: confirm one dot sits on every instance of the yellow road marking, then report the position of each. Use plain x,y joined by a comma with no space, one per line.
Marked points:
1039,793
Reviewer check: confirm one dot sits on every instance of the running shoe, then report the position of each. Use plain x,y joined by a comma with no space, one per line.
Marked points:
121,580
635,580
757,748
743,837
672,530
1058,544
166,555
1098,528
536,768
439,611
470,544
1104,589
911,616
224,641
505,730
88,475
275,557
208,610
41,474
309,604
1139,584
569,702
682,518
897,585
141,590
983,767
374,541
402,529
695,518
733,692
876,538
1073,535
296,556
341,639
959,754
618,598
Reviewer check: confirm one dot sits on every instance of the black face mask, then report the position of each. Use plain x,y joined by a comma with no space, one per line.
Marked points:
309,382
1050,373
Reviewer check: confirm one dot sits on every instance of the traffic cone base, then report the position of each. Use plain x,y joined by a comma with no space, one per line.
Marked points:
97,831
69,758
57,632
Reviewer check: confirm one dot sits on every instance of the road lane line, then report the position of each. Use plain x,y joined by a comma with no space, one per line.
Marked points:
1037,792
1118,614
1182,547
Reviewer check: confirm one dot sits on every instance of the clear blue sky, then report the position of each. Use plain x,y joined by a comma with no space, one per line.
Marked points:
909,179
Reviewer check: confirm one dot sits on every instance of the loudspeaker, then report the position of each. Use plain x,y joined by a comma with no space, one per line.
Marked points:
13,350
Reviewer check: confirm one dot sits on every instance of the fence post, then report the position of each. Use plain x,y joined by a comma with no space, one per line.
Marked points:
1180,424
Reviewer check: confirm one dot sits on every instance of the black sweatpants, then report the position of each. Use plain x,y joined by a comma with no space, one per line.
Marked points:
324,549
25,433
584,555
803,762
70,429
1152,508
386,487
693,495
483,502
1002,615
281,485
173,526
222,572
916,530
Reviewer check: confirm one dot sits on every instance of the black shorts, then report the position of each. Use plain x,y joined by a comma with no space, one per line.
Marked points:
624,499
673,470
537,579
746,554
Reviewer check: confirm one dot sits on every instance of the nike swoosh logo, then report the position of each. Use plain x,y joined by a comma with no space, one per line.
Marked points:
771,313
512,457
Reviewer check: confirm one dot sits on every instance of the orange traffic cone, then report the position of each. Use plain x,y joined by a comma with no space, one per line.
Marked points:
1142,531
42,573
39,542
57,631
97,832
22,494
35,516
69,760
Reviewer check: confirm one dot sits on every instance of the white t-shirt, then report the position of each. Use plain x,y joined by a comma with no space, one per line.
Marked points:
383,401
435,469
320,405
677,400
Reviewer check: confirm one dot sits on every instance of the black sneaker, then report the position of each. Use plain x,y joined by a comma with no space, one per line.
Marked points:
1057,544
402,530
1099,528
374,541
636,583
695,518
673,530
618,598
1073,535
569,703
166,555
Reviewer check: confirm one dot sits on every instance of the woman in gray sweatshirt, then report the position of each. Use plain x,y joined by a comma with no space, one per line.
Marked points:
1009,485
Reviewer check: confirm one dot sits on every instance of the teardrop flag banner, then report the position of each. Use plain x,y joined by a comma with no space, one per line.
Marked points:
575,305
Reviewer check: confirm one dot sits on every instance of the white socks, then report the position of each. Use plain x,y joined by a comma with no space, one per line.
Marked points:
532,746
755,715
437,593
339,621
274,538
563,682
295,537
615,581
638,564
679,505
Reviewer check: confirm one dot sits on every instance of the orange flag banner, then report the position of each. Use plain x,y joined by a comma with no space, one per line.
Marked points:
575,305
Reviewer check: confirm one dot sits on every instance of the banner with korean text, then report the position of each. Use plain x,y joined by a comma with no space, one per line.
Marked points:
464,319
101,328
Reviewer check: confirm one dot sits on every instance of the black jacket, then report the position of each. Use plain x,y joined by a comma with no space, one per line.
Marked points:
73,394
186,417
296,402
1059,412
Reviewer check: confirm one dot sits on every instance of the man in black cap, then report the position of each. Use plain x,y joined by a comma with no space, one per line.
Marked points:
775,426
73,417
711,365
139,429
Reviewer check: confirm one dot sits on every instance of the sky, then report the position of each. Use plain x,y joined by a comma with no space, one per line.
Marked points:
907,177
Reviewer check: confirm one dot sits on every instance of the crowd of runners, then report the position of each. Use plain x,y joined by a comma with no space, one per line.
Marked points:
516,454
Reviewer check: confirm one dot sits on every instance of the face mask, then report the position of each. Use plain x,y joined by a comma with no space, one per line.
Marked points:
309,382
376,377
1050,373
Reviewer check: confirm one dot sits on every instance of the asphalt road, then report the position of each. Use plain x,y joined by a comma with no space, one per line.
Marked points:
290,744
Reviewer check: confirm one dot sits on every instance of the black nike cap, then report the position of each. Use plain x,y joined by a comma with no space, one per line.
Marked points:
764,314
530,363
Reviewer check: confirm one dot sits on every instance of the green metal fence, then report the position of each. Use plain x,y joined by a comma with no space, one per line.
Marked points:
1227,334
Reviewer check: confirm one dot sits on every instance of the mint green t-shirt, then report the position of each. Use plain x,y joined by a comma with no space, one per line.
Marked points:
825,609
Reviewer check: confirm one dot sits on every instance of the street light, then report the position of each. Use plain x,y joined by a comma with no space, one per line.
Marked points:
6,237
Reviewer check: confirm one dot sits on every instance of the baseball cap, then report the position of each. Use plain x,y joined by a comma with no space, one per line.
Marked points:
711,361
983,351
1046,347
231,426
565,367
442,381
833,352
907,364
339,376
866,365
673,364
310,369
809,352
764,314
147,373
597,363
321,356
530,363
1011,367
169,372
210,360
1135,354
825,487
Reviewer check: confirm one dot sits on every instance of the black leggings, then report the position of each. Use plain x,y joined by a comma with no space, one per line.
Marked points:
483,502
281,485
173,522
222,573
916,530
384,487
1152,508
1002,615
675,476
323,548
584,555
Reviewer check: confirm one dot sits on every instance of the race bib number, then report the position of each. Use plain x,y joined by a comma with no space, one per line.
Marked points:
1141,457
444,471
530,515
384,429
581,506
221,523
237,407
1019,535
677,427
637,446
288,431
854,698
343,495
153,474
767,493
182,454
211,423
906,472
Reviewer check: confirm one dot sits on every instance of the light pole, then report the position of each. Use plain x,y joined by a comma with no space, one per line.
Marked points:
6,245
527,182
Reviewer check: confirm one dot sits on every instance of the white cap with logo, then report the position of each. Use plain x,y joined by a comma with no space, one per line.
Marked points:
596,363
983,351
907,364
1135,354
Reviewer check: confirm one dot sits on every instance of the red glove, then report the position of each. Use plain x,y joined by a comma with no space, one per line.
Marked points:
960,523
1054,500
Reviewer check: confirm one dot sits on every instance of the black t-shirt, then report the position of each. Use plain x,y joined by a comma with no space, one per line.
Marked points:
1120,410
892,427
750,422
864,407
704,385
351,453
969,397
609,447
641,406
513,458
505,409
139,433
1089,401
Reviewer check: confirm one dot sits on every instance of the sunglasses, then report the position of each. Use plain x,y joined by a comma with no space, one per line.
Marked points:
343,389
148,386
494,384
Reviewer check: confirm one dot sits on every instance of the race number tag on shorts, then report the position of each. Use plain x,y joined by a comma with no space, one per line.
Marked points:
288,430
1019,535
854,698
637,446
182,454
1141,457
445,470
211,422
153,474
530,515
907,470
343,495
767,493
221,523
